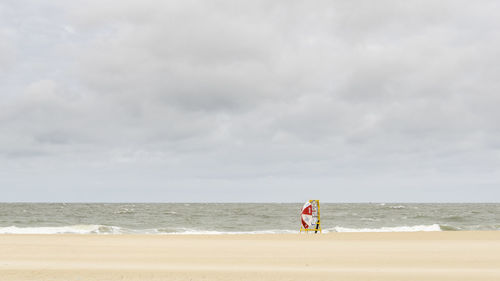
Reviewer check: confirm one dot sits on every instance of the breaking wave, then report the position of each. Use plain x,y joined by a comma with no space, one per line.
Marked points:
397,207
212,232
415,228
73,229
105,229
125,211
116,230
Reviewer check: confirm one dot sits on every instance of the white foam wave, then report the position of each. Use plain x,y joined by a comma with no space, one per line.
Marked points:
212,232
73,229
415,228
369,219
103,229
398,207
125,211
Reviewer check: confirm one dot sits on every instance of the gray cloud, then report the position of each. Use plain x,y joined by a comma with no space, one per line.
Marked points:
153,100
7,49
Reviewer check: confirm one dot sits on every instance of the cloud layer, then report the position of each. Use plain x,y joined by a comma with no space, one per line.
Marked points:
257,101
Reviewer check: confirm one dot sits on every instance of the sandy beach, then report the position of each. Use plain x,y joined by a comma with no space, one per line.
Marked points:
333,256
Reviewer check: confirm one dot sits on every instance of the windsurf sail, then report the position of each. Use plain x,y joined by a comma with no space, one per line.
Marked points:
309,217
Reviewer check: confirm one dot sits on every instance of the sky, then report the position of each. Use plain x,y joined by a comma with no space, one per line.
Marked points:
249,101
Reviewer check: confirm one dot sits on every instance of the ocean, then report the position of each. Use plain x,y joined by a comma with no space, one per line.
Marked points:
234,218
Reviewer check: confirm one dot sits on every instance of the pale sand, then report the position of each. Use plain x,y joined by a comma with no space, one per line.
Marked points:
335,256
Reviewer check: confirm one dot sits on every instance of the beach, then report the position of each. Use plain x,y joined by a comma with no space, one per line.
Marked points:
460,255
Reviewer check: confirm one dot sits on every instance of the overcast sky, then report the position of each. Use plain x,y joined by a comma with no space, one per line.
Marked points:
262,101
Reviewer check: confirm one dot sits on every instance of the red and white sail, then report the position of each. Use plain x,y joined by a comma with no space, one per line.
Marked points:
306,215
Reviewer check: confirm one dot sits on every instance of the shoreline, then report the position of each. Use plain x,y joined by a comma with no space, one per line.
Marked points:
453,255
117,230
463,233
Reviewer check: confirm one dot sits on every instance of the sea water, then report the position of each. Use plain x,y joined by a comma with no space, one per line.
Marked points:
234,218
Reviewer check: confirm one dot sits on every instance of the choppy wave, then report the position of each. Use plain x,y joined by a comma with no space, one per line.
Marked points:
415,228
397,207
125,211
369,219
248,218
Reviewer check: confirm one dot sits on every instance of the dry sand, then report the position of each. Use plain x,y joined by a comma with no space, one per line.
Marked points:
335,256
